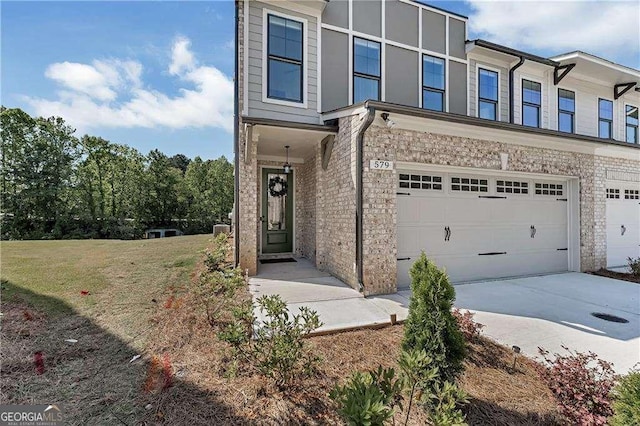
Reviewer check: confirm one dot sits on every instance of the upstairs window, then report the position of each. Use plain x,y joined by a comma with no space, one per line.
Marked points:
631,123
366,70
531,101
284,71
433,83
605,118
566,110
487,94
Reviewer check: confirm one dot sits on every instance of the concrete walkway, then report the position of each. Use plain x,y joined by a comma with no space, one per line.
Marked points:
546,311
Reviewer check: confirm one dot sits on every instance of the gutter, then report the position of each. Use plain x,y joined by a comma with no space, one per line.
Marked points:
371,114
236,151
511,100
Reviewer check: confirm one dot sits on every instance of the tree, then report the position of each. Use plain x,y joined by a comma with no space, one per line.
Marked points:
180,161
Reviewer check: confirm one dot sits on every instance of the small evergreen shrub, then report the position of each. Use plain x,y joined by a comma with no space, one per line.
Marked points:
431,326
581,383
634,264
626,400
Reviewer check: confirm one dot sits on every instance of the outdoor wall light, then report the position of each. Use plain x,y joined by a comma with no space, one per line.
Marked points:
390,123
287,167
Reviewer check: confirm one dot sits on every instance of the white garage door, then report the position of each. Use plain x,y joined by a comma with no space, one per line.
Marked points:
479,227
623,223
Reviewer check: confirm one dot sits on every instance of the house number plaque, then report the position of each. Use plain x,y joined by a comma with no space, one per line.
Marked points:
381,165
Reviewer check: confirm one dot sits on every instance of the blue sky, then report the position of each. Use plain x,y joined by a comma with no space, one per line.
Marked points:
159,74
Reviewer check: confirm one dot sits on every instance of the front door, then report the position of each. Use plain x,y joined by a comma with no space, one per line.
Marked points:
277,211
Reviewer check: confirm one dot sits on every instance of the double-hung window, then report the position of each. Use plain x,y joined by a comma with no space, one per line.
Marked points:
284,68
487,94
566,110
605,118
366,70
531,102
631,123
433,87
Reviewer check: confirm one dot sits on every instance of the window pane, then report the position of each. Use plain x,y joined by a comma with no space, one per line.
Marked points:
433,72
488,84
364,88
632,134
487,110
432,100
566,100
632,115
531,116
285,80
605,109
565,122
285,38
366,57
531,92
604,129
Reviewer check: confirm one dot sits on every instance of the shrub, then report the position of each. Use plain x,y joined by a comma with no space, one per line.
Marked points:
443,403
431,325
581,383
634,264
467,325
626,400
368,398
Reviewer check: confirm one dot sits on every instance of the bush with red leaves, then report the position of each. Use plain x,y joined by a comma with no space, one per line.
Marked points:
159,375
581,383
38,361
468,326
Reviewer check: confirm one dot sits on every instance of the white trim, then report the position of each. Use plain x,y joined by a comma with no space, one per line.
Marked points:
383,51
280,158
446,64
477,97
542,99
245,67
295,7
350,51
624,123
305,59
293,209
557,108
420,95
613,117
422,7
408,165
318,65
596,60
469,89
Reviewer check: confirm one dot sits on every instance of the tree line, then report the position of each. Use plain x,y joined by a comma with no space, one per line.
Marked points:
56,185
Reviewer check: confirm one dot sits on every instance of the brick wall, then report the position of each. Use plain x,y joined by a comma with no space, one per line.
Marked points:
306,210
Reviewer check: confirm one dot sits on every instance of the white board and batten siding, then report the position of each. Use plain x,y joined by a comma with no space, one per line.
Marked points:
482,226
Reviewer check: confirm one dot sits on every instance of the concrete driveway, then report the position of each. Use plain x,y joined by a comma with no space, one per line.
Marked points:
554,310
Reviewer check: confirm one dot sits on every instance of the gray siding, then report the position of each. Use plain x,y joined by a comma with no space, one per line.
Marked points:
503,89
401,22
457,88
335,71
367,17
457,38
256,107
402,76
336,13
434,31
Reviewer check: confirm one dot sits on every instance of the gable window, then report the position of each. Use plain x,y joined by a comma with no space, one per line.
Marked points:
605,118
432,83
531,101
366,70
631,123
487,94
566,110
284,69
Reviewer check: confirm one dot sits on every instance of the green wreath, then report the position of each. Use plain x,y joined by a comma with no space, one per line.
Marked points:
277,187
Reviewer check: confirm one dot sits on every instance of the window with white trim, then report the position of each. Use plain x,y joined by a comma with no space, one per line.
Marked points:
605,118
366,70
631,114
469,184
411,181
433,85
545,188
531,103
487,94
512,187
613,193
566,110
284,63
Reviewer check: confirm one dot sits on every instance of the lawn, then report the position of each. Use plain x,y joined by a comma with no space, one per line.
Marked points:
139,304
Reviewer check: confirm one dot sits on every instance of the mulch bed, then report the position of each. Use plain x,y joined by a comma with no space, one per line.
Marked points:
617,275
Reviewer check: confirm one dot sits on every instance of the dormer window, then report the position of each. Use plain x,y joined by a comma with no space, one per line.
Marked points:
284,67
605,119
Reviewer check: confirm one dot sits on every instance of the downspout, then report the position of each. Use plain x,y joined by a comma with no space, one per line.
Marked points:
236,148
511,70
371,114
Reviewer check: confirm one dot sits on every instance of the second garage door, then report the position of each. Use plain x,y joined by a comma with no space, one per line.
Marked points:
479,227
623,223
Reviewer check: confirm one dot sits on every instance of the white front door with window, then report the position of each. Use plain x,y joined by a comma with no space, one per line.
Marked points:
481,226
623,222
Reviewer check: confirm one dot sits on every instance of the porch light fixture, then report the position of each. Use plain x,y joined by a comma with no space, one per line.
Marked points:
287,167
390,123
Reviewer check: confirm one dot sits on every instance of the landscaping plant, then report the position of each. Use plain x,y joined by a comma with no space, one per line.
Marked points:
626,400
634,264
581,383
468,326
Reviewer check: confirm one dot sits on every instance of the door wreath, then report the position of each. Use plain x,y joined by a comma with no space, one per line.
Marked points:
277,187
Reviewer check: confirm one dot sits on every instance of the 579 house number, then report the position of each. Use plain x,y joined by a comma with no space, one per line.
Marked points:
381,165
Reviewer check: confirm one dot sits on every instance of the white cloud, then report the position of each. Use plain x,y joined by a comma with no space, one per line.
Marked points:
606,28
111,93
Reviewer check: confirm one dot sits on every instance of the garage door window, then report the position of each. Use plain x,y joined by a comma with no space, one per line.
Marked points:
613,193
631,194
428,182
549,188
512,187
469,184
